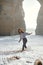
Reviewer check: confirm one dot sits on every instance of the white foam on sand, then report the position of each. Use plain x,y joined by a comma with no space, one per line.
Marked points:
10,53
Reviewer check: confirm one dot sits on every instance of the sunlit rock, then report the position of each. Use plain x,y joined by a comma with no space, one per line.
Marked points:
38,62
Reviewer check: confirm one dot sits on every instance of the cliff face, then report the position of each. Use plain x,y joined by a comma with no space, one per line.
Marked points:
11,17
39,28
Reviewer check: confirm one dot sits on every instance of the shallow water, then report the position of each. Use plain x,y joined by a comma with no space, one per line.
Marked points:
9,47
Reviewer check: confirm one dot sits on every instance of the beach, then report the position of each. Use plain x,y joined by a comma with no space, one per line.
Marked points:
10,50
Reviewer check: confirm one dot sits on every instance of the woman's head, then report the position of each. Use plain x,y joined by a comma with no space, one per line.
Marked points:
20,31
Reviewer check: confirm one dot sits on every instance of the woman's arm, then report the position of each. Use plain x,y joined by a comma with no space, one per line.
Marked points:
28,33
20,40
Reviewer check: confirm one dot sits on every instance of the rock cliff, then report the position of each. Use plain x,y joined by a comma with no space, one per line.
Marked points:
39,28
11,17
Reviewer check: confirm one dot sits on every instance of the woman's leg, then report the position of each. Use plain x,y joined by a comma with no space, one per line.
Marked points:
23,47
24,43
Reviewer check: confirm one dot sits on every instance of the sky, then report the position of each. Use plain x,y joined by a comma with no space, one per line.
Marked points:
31,9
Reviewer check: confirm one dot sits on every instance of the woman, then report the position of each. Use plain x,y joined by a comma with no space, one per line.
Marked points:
23,37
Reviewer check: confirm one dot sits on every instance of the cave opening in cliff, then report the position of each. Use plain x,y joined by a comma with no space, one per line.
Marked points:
31,9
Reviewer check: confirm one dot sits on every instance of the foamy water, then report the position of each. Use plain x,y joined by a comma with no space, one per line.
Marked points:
10,53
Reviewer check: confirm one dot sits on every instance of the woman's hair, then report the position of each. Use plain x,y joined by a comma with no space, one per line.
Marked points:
20,30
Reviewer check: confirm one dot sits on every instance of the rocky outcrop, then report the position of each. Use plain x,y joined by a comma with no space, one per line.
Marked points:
38,62
11,17
39,28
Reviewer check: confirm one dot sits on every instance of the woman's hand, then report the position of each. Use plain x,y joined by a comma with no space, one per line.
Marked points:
19,40
31,33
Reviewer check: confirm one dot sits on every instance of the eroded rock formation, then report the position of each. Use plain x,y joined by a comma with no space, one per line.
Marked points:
39,29
11,17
